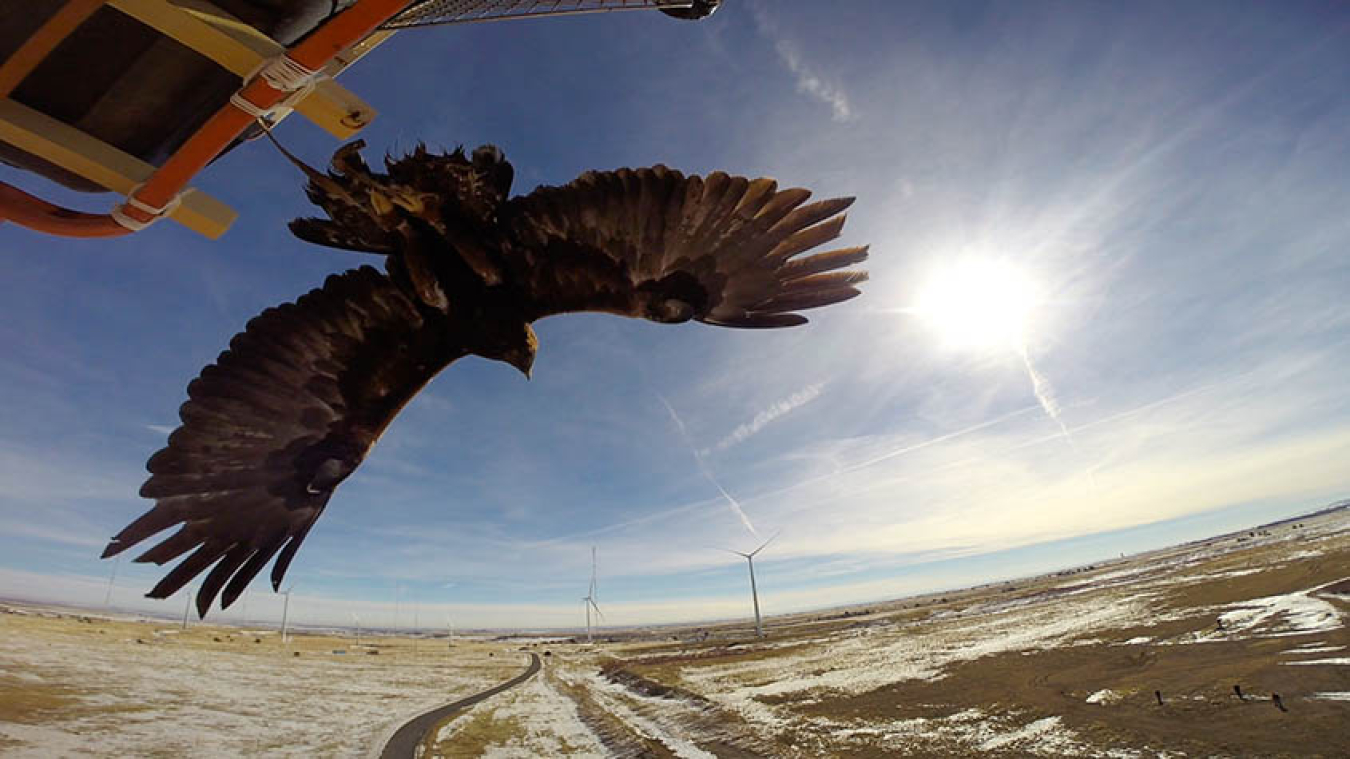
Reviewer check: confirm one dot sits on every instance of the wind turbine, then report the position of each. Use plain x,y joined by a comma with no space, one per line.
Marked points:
107,598
187,608
285,611
588,600
754,593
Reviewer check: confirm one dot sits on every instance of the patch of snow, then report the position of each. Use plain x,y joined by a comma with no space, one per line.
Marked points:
1304,554
1104,696
1313,650
968,732
1332,696
1142,639
1297,613
1029,732
453,726
617,700
1342,661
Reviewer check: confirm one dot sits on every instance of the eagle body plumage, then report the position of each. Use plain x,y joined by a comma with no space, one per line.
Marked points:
291,409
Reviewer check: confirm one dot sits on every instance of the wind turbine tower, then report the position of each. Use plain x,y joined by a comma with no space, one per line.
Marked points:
285,612
187,608
754,593
107,598
588,601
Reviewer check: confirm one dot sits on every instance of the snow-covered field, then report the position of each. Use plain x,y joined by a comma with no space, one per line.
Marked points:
1176,653
118,697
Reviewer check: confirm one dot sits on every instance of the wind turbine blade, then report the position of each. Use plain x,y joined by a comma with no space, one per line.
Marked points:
591,592
765,543
728,550
596,607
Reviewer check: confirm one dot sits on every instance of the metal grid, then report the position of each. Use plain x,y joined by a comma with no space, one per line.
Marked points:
431,12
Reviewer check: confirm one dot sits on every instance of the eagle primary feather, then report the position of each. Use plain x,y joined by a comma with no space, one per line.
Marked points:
291,409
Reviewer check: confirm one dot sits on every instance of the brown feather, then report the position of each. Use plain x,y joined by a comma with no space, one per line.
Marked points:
630,241
801,301
806,239
764,321
834,259
189,568
298,399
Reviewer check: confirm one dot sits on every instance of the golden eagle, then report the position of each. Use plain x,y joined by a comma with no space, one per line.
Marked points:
290,410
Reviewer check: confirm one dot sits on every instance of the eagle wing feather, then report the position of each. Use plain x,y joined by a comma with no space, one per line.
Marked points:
276,423
654,243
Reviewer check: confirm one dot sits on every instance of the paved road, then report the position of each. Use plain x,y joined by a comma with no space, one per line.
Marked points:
404,742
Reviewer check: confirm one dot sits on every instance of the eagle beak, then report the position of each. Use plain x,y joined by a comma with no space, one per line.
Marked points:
408,201
524,362
382,205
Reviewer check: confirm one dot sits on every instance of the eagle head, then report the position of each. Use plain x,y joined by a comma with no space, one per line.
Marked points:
511,342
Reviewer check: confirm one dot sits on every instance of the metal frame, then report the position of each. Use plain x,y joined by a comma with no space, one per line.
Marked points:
223,39
103,164
421,13
153,192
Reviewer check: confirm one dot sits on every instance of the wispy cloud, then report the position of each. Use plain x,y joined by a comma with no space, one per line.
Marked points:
809,80
763,418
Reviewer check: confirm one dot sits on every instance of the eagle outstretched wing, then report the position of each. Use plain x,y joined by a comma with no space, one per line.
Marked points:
656,244
272,428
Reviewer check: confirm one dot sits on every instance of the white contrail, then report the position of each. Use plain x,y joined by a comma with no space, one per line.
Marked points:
703,467
1045,395
1040,386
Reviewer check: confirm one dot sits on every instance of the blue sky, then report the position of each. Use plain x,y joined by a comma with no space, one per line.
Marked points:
1171,179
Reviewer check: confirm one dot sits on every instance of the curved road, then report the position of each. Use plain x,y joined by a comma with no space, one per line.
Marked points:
404,742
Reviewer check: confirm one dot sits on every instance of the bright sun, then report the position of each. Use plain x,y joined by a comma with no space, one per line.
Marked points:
978,305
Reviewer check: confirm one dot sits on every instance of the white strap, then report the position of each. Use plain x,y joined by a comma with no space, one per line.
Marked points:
136,225
248,106
282,73
285,74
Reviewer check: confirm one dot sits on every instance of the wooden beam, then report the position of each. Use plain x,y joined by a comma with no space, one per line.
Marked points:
103,164
36,48
239,48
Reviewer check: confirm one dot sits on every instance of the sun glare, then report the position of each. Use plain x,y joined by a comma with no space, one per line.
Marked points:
978,305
